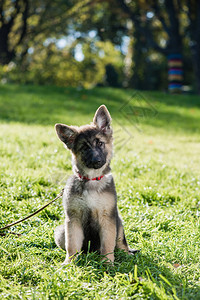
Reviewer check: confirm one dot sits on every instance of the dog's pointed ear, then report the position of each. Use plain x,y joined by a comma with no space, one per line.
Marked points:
102,120
66,134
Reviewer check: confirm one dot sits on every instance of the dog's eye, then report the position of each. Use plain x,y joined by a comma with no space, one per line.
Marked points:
100,144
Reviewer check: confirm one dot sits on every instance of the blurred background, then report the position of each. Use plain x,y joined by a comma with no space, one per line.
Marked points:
59,61
146,45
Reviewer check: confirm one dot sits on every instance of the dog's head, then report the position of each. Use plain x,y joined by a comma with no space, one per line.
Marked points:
91,145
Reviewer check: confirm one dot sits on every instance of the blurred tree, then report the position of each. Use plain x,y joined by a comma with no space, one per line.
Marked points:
59,66
163,25
109,21
30,31
193,32
111,77
147,17
24,23
9,12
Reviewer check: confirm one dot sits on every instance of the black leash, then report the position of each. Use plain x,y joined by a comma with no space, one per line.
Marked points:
31,215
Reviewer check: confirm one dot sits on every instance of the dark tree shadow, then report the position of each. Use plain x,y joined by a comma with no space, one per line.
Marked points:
46,105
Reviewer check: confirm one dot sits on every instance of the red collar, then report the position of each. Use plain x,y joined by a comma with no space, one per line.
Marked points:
86,178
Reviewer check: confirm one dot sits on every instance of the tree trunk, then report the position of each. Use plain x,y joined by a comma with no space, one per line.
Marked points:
170,25
5,55
137,78
196,65
174,49
194,30
128,63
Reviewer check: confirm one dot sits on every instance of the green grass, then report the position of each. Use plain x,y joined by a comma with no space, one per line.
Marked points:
156,170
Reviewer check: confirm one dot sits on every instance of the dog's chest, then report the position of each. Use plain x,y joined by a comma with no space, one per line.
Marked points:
91,198
94,200
91,203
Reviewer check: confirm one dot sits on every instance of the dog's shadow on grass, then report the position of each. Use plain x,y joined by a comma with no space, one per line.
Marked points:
143,269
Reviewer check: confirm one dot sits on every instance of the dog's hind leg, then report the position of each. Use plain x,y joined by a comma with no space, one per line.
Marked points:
121,239
59,235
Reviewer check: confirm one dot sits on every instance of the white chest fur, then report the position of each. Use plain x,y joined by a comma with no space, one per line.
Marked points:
95,200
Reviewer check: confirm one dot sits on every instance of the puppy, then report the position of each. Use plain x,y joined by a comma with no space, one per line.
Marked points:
89,199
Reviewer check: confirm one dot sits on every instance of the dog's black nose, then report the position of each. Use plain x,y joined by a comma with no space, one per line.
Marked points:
96,162
96,159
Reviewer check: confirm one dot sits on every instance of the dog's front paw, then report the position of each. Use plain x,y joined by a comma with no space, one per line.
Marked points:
108,259
66,262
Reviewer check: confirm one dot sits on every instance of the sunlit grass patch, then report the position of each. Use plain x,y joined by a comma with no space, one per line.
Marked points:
156,170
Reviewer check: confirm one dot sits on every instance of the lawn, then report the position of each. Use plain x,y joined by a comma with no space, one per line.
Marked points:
157,175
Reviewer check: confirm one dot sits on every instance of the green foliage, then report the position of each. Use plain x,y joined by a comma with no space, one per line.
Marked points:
50,65
25,24
144,34
156,170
